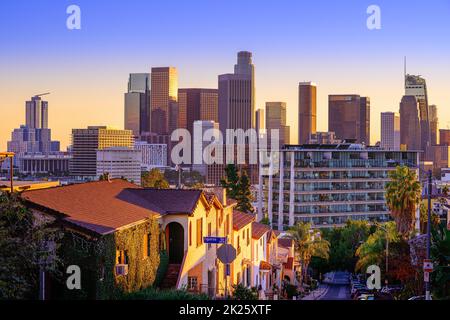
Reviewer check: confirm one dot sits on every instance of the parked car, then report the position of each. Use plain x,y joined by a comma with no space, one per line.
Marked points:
419,298
366,296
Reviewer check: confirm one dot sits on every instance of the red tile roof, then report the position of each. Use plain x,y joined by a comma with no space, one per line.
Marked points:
101,206
170,201
241,219
259,229
285,242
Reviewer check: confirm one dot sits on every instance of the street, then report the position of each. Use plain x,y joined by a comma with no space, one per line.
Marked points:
338,287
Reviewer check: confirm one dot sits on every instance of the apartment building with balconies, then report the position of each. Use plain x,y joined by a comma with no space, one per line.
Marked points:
326,185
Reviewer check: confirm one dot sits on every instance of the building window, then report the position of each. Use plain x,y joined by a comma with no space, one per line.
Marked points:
190,233
227,222
192,283
121,257
199,232
248,237
146,245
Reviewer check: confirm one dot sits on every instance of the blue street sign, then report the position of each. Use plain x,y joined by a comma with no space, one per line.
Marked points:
227,269
215,239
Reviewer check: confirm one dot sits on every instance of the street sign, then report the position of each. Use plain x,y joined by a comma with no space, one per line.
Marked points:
426,276
226,253
427,265
215,240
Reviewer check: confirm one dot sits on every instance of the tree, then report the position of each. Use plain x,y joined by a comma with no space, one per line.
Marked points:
25,243
403,195
440,254
230,181
373,250
154,179
265,220
244,195
308,243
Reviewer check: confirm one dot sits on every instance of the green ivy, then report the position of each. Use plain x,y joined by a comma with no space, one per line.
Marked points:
97,258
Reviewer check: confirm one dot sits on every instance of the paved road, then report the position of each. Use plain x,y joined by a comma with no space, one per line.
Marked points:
339,288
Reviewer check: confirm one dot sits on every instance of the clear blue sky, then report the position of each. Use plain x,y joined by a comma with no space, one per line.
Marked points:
322,41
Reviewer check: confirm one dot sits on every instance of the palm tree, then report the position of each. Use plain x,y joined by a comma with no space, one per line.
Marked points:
308,244
403,195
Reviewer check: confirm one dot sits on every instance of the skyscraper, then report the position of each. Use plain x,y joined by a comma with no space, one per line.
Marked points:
237,95
164,90
410,125
137,103
390,131
349,117
200,127
35,136
416,86
434,124
86,142
36,113
260,121
307,111
364,133
276,120
444,137
197,104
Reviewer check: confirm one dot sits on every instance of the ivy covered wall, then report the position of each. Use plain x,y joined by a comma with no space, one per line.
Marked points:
97,258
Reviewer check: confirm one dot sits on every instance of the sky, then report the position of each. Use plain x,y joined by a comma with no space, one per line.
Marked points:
326,42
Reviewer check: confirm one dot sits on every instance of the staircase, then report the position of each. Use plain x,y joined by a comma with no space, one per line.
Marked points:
171,277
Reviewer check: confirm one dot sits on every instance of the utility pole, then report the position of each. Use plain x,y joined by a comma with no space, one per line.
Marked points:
427,282
11,173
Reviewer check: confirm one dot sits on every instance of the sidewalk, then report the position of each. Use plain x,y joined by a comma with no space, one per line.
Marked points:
317,294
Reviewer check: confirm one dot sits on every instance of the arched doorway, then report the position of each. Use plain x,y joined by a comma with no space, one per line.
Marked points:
175,240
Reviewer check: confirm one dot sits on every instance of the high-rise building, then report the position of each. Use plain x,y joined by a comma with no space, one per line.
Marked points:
410,125
120,162
200,127
434,124
137,103
327,137
444,137
164,91
154,155
307,110
349,117
237,95
364,115
328,185
86,142
197,104
260,121
390,131
416,86
36,113
276,120
35,136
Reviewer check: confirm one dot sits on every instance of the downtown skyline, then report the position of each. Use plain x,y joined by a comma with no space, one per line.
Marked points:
87,71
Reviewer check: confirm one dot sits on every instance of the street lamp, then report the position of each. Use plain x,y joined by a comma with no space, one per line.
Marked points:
387,249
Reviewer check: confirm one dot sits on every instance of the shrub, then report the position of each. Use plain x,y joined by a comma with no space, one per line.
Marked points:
153,293
243,293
